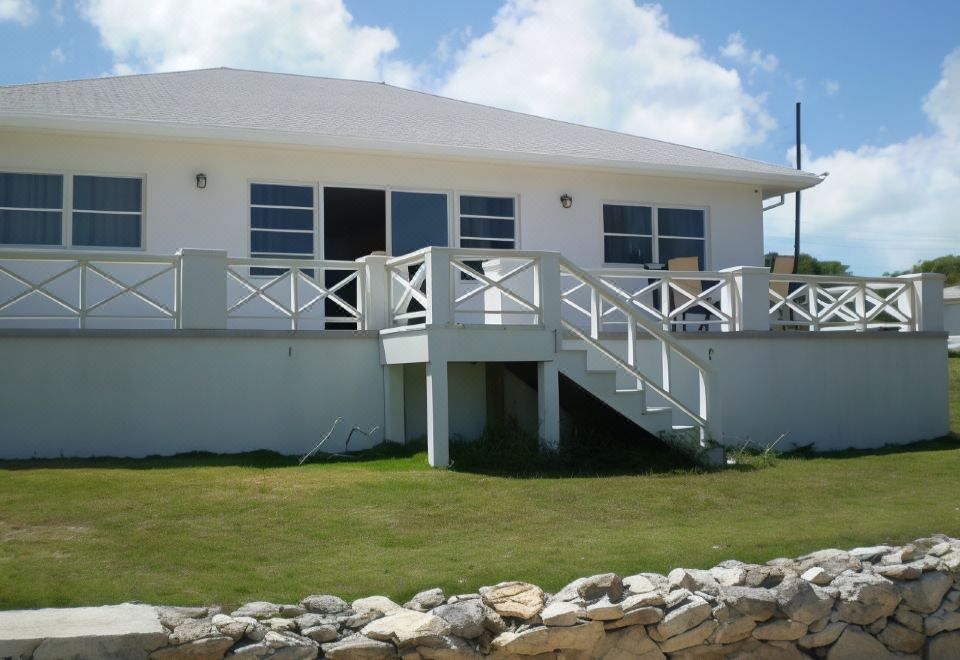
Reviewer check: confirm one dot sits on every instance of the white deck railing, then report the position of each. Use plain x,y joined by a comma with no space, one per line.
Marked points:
816,303
88,289
297,294
437,286
677,300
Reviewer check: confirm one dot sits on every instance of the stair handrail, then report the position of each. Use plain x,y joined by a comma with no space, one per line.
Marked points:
669,344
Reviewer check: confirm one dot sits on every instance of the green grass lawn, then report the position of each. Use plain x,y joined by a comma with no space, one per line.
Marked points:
203,530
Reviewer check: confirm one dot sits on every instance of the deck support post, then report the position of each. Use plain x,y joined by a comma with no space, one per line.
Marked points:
374,299
394,427
548,404
202,289
438,414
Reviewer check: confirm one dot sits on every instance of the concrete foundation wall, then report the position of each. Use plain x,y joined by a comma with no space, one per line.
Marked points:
123,395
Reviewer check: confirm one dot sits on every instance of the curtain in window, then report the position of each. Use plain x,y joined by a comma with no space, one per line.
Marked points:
19,195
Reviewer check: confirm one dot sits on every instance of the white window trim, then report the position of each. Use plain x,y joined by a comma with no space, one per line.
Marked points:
66,219
655,228
317,209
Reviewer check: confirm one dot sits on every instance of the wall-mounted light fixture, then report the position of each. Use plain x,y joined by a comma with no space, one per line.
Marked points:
566,201
201,181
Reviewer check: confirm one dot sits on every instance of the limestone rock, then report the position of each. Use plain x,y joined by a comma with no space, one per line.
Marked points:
683,618
639,617
945,646
309,620
732,576
191,630
676,597
604,610
802,601
764,576
516,599
774,651
902,639
288,646
818,576
780,630
940,621
871,553
904,615
466,618
758,604
628,644
323,605
322,633
453,648
855,644
899,571
733,630
832,561
227,625
581,637
689,638
358,647
408,628
379,604
607,585
171,617
560,613
638,584
258,610
280,624
864,598
924,595
824,637
694,580
952,600
426,600
206,648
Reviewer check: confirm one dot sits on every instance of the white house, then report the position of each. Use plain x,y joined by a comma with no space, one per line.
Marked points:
951,315
228,260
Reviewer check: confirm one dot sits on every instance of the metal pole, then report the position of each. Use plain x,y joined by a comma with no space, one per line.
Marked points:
796,222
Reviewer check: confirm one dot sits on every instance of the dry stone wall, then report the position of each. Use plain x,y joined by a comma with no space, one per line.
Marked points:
877,602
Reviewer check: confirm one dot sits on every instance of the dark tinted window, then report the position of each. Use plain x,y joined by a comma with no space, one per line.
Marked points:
501,207
627,219
680,222
627,250
100,193
106,230
354,222
30,227
418,220
31,191
269,194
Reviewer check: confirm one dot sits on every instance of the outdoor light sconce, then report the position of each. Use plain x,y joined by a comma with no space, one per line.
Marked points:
566,201
201,181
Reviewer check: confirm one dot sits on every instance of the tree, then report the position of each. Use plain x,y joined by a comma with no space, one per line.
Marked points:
810,265
948,265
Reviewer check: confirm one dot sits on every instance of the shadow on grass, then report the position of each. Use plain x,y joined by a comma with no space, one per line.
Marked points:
946,443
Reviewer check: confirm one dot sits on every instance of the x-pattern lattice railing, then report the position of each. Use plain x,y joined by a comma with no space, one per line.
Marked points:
827,303
505,282
81,288
293,288
408,289
669,297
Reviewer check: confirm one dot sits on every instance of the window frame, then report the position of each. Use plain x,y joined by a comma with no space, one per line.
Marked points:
500,195
67,210
316,210
655,229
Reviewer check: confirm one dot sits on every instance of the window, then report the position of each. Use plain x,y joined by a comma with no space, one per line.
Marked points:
107,211
634,234
104,211
487,222
417,220
31,209
281,223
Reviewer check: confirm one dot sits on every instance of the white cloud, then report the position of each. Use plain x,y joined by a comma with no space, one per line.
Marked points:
58,56
736,50
884,208
318,37
17,11
831,87
612,64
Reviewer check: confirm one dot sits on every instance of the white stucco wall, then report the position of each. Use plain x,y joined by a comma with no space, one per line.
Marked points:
951,318
124,395
178,215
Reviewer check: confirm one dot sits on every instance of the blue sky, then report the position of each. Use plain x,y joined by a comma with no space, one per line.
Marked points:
878,81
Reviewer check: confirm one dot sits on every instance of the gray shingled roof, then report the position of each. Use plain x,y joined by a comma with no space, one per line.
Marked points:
275,104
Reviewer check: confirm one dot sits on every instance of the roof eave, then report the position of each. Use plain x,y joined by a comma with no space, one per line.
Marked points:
771,184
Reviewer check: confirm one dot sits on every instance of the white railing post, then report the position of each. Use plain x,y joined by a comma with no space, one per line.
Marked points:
203,289
439,286
926,306
549,290
747,301
374,298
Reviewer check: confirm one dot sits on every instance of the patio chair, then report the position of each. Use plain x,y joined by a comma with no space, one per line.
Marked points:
783,266
693,287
